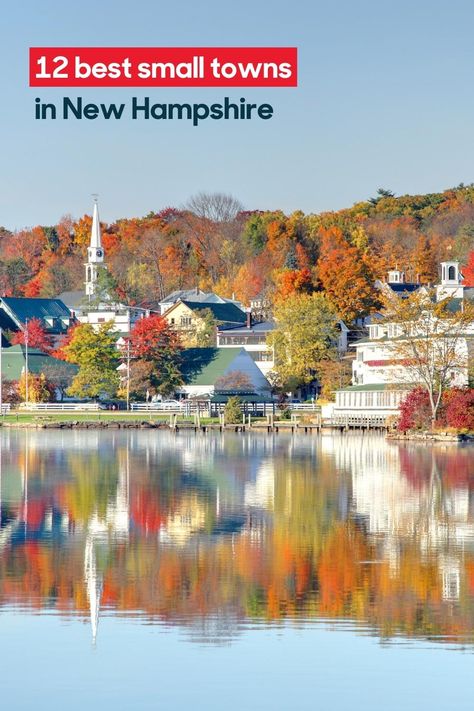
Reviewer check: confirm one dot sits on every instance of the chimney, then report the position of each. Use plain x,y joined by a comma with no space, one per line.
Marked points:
197,291
249,318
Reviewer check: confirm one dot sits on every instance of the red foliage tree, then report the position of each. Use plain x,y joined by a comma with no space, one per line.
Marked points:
155,350
291,281
459,408
65,341
150,336
415,411
468,270
37,336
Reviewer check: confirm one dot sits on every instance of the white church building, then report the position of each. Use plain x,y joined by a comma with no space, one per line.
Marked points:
85,305
379,381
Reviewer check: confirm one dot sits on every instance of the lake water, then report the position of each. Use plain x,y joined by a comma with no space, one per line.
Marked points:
151,570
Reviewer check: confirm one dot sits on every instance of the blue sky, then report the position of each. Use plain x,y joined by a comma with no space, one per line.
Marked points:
385,98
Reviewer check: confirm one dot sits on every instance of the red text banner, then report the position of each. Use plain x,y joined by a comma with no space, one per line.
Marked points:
163,66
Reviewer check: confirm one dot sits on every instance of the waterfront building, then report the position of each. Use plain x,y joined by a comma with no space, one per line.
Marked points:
207,370
379,380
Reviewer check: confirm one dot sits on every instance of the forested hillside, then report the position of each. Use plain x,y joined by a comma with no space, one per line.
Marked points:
213,243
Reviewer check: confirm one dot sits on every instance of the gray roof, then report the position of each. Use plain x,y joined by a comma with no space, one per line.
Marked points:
73,299
262,327
195,295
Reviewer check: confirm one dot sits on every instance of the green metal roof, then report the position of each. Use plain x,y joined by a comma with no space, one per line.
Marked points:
203,366
227,313
13,362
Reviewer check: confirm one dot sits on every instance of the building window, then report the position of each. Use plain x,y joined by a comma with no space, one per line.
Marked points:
172,321
261,356
452,273
100,319
360,355
186,321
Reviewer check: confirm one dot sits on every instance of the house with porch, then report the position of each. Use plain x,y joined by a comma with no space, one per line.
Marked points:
253,338
380,381
209,371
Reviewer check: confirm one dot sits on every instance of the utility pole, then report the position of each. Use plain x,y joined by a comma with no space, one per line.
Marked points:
128,374
26,364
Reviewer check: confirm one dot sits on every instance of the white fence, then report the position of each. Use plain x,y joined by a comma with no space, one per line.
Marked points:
60,406
164,407
6,407
305,406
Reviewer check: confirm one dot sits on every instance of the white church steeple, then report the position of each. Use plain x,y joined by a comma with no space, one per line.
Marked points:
95,253
451,285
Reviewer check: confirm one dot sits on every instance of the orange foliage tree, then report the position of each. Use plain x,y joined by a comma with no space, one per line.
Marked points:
345,276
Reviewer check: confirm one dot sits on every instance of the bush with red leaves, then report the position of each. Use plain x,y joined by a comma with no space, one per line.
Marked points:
457,410
415,411
458,405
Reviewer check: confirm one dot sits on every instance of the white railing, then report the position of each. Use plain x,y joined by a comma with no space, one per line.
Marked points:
6,407
61,406
303,406
356,420
160,407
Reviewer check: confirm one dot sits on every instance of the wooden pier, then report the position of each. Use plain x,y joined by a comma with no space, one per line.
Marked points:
341,423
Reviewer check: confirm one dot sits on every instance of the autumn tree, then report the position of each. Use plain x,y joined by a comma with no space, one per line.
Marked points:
96,354
36,334
155,354
423,261
345,276
305,334
39,389
430,341
468,270
334,373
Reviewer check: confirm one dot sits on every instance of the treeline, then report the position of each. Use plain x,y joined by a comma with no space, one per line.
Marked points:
214,244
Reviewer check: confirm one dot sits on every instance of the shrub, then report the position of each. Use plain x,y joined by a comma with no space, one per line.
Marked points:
232,411
415,411
456,411
458,405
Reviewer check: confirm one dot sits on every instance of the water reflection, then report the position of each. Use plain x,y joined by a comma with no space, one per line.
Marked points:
221,533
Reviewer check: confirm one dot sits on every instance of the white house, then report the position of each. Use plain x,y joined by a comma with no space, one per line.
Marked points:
253,338
379,379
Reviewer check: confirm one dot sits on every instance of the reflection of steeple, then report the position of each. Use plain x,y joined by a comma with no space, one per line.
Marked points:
93,585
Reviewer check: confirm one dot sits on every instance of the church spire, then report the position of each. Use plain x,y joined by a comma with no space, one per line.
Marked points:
96,239
95,252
